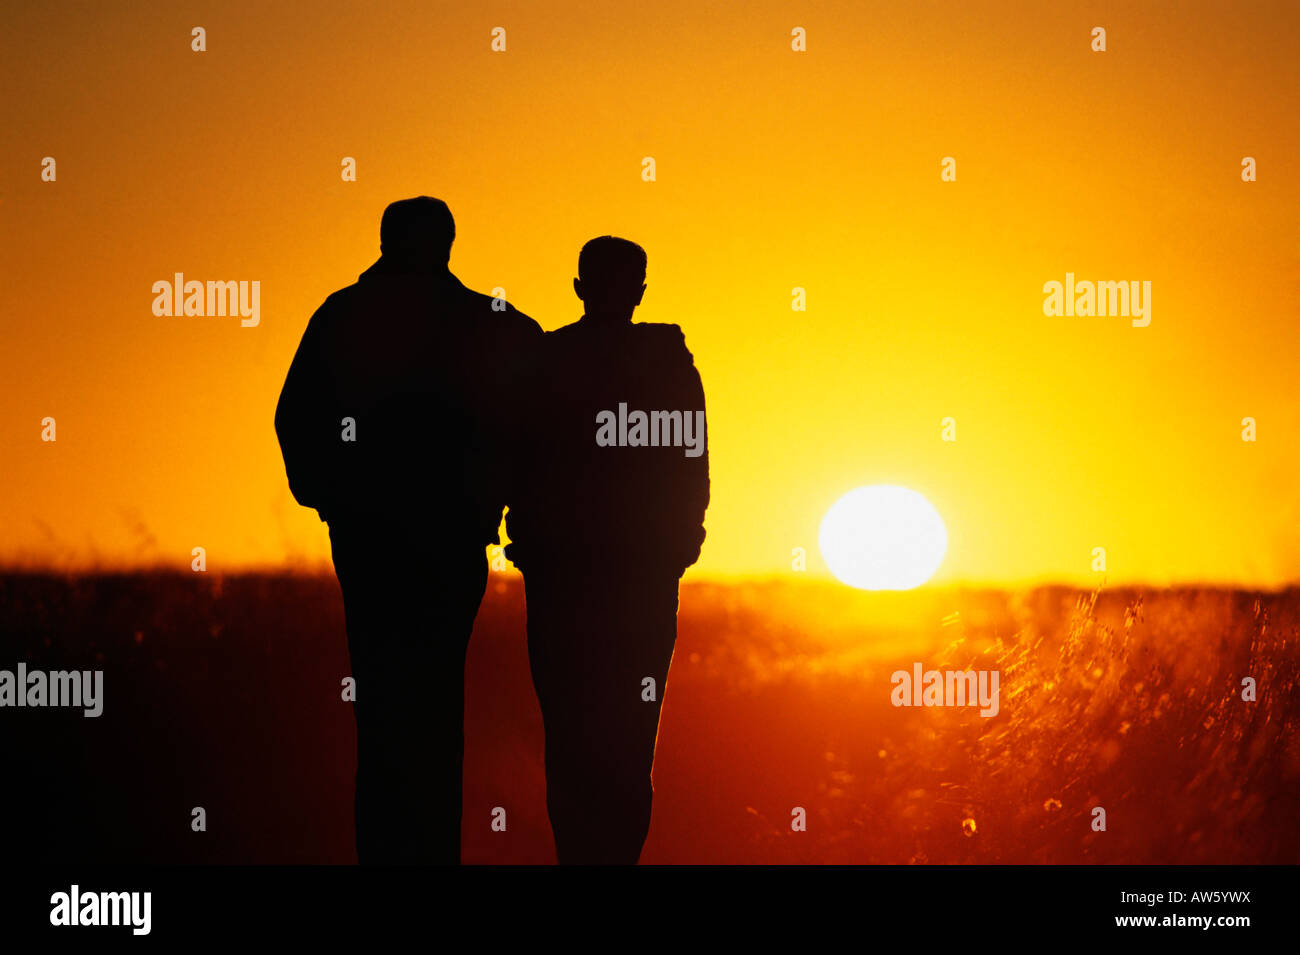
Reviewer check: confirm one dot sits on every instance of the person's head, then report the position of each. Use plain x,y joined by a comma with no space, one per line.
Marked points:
611,277
417,233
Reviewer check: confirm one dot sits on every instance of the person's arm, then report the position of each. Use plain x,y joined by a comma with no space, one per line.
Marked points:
302,420
686,482
695,501
519,421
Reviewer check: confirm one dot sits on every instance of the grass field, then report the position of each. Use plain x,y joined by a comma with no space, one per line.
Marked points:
224,692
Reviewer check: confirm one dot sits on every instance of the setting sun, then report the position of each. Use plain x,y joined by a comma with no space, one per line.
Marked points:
883,537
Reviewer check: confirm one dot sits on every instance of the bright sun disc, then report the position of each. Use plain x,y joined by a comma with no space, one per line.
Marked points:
883,537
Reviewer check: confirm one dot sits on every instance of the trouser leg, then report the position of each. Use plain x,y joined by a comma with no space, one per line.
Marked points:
592,648
408,631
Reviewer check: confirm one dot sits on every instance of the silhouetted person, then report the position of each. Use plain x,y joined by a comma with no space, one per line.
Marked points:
394,422
610,515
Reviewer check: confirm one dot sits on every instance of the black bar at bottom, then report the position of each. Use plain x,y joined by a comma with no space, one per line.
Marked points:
468,905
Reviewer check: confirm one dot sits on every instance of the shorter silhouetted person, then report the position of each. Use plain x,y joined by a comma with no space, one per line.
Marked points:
609,516
394,423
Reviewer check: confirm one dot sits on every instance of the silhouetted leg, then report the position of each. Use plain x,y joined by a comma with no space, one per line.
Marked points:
409,625
592,645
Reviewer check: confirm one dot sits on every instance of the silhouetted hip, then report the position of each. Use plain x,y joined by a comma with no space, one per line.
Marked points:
409,598
594,640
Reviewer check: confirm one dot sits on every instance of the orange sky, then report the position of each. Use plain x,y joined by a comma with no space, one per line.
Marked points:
775,169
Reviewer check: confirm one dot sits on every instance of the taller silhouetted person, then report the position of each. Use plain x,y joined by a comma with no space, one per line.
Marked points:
395,426
611,514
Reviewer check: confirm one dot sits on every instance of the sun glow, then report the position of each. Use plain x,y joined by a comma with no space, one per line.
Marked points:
883,537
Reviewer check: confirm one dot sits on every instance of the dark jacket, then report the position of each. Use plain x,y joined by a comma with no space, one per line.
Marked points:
582,504
426,370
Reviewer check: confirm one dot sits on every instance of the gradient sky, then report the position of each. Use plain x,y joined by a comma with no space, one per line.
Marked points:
775,169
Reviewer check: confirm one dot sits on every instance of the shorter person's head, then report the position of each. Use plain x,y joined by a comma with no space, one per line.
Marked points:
611,277
417,233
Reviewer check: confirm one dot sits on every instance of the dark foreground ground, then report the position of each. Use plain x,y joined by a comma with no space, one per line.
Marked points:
224,692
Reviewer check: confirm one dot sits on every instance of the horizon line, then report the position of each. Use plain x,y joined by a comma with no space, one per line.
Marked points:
324,568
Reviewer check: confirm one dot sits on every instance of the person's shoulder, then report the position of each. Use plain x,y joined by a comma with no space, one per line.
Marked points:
502,314
343,296
665,338
565,333
337,303
661,331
